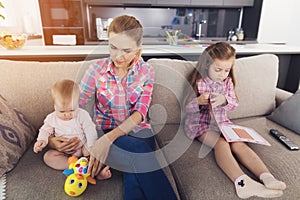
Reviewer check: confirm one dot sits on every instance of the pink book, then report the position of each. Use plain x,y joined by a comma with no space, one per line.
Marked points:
237,133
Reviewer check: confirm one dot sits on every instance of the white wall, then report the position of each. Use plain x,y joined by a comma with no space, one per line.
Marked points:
7,13
279,22
294,28
21,16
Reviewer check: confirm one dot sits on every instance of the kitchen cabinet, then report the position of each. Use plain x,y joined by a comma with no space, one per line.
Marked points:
52,31
238,3
139,2
206,3
173,2
103,2
56,21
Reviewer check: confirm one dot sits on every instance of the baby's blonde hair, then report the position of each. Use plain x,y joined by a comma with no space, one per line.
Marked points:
65,92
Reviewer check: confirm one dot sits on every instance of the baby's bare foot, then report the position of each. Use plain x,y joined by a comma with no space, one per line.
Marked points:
105,173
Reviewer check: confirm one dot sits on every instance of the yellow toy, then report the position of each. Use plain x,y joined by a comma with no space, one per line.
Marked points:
78,176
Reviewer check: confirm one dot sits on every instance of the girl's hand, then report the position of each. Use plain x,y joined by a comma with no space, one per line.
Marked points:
217,99
203,99
63,144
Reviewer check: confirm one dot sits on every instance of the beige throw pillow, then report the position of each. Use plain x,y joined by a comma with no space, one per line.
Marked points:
16,134
256,79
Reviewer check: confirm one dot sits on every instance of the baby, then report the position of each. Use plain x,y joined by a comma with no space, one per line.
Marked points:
68,120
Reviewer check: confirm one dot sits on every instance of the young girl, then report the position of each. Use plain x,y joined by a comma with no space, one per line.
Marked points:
70,121
213,82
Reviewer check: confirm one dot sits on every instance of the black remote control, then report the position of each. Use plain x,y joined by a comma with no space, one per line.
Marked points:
284,140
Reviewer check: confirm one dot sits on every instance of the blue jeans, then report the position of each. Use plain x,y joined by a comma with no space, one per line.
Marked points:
139,183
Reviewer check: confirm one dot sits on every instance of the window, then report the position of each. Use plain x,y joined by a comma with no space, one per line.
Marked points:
7,12
21,16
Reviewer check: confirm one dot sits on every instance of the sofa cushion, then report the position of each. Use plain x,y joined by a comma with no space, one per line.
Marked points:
199,177
288,113
256,79
30,84
32,179
16,133
169,85
32,175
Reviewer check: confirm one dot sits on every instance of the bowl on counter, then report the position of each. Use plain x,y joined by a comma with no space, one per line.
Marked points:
12,40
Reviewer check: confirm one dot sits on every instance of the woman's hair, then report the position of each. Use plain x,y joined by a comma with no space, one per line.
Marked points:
220,51
65,92
129,26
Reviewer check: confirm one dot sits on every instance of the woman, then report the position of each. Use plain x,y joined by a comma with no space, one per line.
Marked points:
122,84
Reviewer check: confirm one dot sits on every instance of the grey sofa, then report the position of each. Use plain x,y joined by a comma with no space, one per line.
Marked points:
25,85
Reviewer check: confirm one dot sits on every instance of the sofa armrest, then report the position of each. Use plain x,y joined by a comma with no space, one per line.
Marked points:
281,95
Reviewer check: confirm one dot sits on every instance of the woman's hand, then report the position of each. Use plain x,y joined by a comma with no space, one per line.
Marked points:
85,151
101,148
217,100
203,99
98,154
94,167
63,144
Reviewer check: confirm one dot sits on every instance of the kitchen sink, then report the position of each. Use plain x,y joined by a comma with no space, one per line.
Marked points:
163,41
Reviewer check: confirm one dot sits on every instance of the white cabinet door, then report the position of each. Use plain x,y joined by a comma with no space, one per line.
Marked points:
206,2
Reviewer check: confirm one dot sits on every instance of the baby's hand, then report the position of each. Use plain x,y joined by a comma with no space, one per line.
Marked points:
217,100
39,146
203,99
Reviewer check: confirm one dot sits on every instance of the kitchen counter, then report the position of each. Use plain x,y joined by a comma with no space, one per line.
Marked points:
148,50
163,41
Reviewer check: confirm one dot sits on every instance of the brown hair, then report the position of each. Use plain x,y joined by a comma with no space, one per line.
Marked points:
221,51
129,26
65,92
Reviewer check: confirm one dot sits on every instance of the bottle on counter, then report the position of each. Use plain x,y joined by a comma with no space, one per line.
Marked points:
230,35
239,33
234,38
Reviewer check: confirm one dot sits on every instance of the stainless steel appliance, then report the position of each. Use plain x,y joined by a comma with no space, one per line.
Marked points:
102,27
62,22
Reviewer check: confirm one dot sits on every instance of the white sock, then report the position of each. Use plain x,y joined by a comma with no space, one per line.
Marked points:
247,187
271,182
